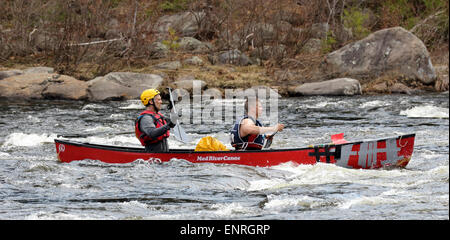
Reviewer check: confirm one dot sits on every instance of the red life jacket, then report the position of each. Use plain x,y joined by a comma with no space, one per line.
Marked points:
159,121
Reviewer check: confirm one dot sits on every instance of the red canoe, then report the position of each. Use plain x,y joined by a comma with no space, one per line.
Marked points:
370,154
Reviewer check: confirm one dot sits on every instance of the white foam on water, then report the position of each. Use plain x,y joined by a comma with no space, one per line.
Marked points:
174,143
133,104
28,140
439,173
41,215
323,173
371,201
322,104
230,209
33,119
317,105
427,154
426,111
263,184
4,155
117,116
98,129
136,209
284,201
134,204
92,106
376,103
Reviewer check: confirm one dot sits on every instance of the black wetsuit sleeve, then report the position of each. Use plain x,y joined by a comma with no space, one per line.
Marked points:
148,127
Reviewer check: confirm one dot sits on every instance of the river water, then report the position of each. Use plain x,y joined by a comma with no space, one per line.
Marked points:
34,185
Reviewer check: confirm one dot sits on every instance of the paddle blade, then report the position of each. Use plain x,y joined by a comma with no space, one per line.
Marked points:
338,138
180,134
268,142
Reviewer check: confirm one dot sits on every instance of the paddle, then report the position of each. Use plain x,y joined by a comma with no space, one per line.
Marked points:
178,131
269,140
338,138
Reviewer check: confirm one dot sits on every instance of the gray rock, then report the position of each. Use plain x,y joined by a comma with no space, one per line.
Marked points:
158,50
339,86
43,85
393,50
65,87
174,65
212,93
38,70
185,24
189,84
122,85
10,73
191,44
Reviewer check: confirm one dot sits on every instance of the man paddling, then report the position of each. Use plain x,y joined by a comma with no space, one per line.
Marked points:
248,133
151,127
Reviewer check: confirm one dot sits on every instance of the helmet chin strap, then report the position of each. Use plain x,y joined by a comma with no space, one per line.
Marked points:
152,104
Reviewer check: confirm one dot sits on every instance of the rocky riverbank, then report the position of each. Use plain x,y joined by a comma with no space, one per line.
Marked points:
391,60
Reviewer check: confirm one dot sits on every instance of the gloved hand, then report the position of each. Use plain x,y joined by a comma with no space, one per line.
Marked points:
173,117
171,124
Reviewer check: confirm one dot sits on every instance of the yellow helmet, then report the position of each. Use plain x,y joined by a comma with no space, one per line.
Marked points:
148,94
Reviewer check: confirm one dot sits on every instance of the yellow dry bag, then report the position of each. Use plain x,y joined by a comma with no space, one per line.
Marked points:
210,144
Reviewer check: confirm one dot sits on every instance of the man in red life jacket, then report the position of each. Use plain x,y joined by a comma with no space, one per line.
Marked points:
151,127
248,133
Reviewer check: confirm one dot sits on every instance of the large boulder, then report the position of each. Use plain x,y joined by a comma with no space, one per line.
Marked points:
65,87
337,87
43,86
10,73
38,70
392,51
14,72
185,24
122,85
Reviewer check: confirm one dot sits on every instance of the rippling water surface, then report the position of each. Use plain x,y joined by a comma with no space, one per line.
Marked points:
34,185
